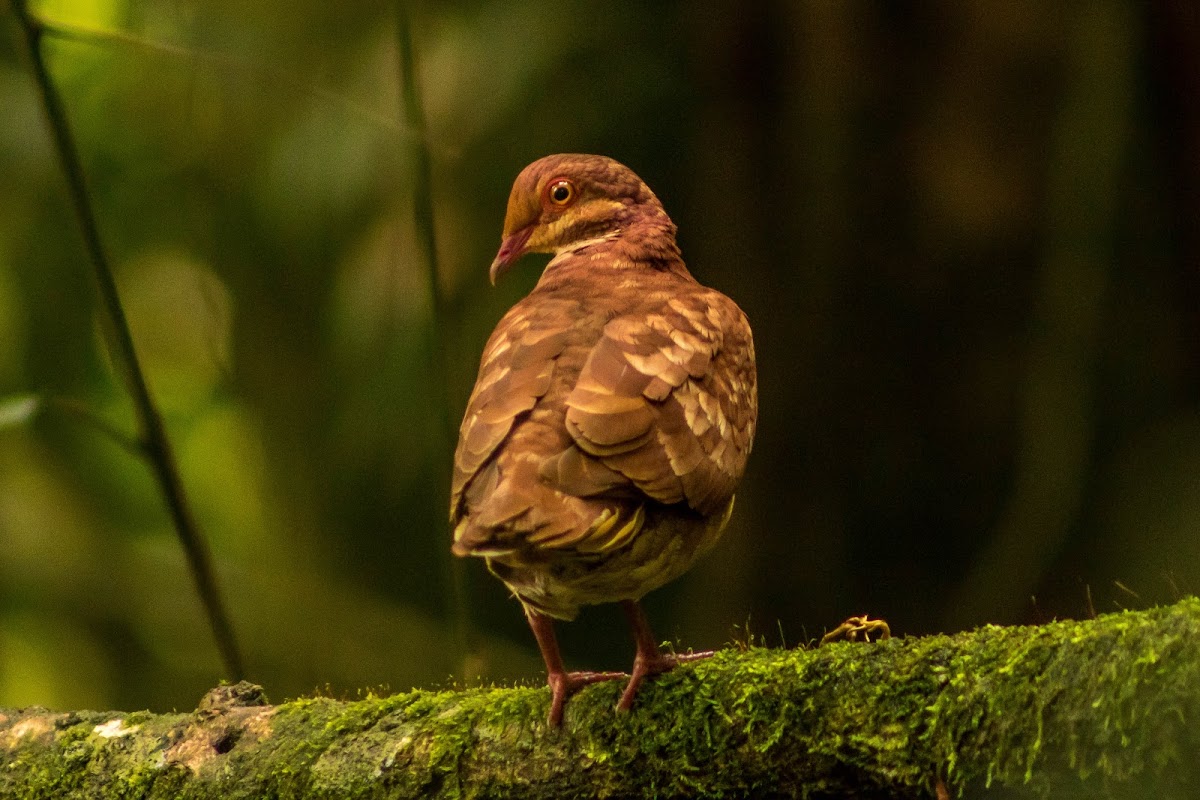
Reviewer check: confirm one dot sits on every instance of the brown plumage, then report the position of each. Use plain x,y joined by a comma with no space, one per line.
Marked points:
612,415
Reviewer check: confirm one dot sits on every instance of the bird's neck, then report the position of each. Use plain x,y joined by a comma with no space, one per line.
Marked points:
649,238
638,242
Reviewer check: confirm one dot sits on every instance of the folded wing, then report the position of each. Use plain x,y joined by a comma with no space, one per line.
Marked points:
668,400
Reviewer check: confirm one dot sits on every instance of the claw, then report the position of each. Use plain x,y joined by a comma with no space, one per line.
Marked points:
650,660
565,684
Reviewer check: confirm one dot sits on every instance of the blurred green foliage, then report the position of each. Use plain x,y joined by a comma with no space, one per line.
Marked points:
965,234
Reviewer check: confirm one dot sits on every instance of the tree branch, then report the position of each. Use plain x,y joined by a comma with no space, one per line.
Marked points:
1103,708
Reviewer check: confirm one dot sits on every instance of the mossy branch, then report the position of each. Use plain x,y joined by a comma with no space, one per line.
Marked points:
153,444
1103,708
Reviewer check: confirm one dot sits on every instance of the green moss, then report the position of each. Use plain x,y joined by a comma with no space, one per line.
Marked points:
1070,709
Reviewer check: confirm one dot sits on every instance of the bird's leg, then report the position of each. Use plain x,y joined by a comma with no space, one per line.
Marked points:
649,660
563,684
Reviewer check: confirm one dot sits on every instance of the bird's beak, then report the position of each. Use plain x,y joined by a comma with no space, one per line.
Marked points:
512,248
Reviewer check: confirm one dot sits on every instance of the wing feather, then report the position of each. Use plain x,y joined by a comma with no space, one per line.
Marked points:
668,400
661,409
515,372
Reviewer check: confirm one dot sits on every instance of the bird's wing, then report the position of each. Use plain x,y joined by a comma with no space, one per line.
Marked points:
515,372
668,399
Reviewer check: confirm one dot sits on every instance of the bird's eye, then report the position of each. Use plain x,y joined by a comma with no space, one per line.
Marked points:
561,192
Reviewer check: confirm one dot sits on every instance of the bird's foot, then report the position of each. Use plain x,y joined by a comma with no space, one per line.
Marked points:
565,684
645,666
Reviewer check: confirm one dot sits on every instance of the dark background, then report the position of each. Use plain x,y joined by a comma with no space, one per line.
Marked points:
965,233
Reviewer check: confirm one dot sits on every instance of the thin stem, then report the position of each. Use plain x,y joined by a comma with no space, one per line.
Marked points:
414,120
1087,159
154,442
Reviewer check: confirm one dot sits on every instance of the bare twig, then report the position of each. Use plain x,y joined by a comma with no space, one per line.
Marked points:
153,441
1087,157
422,191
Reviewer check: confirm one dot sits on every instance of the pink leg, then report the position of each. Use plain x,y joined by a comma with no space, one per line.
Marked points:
649,659
563,684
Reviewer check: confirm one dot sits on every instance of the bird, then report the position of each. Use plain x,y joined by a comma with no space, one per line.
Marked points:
612,415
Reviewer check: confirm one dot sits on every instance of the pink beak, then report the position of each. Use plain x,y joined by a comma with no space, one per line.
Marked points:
512,248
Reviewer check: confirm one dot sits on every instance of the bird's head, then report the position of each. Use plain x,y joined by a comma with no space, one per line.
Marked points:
561,200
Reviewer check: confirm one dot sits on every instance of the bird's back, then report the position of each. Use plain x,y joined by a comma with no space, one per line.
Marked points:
607,430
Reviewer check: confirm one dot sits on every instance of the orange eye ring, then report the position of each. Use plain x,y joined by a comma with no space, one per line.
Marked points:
560,192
